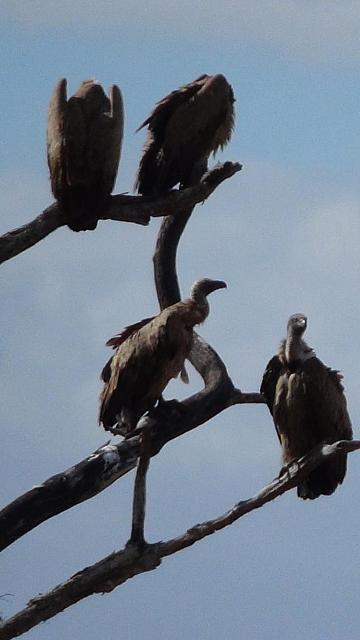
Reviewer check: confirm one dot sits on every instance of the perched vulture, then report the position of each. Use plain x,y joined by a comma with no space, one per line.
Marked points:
308,405
84,137
147,355
183,130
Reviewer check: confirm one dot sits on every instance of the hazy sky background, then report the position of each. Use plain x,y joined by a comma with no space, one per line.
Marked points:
284,234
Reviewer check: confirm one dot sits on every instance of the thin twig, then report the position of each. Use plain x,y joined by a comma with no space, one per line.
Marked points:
117,568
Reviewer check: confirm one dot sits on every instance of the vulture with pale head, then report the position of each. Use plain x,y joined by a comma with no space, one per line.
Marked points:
84,138
147,355
307,402
183,130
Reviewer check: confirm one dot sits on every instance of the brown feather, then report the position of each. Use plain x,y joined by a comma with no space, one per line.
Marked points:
84,139
183,130
117,340
144,363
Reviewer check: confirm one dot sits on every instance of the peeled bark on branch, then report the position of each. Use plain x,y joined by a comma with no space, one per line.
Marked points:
124,208
115,569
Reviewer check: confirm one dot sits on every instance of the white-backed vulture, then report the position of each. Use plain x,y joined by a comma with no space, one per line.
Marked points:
308,405
84,137
147,355
183,130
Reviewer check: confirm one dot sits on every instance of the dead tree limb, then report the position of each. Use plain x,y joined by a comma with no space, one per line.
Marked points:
118,567
124,208
96,472
99,470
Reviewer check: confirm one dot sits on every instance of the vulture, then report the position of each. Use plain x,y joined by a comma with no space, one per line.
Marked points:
184,128
84,137
147,355
307,402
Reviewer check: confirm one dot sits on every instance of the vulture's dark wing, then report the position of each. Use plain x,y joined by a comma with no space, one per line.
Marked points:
326,400
74,145
143,364
329,419
117,340
184,128
165,108
105,140
270,378
93,138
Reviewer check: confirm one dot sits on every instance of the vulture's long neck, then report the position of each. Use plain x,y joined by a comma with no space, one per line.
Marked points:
198,296
296,348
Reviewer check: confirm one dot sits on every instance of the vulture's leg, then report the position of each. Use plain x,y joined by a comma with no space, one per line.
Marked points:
196,173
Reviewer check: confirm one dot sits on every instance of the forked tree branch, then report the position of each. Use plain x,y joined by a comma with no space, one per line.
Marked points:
118,567
124,208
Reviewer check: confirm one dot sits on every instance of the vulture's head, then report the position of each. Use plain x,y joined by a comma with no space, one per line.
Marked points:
297,324
202,288
199,291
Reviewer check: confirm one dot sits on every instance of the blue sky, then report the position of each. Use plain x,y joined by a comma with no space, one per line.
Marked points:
284,234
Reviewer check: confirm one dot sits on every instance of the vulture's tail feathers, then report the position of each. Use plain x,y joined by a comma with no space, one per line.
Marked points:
324,479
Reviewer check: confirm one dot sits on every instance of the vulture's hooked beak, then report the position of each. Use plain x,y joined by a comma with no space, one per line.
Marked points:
216,284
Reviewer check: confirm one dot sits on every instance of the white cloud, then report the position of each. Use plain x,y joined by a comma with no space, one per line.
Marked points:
315,31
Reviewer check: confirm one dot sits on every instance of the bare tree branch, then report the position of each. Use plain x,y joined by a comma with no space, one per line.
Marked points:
125,208
18,240
103,467
115,569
